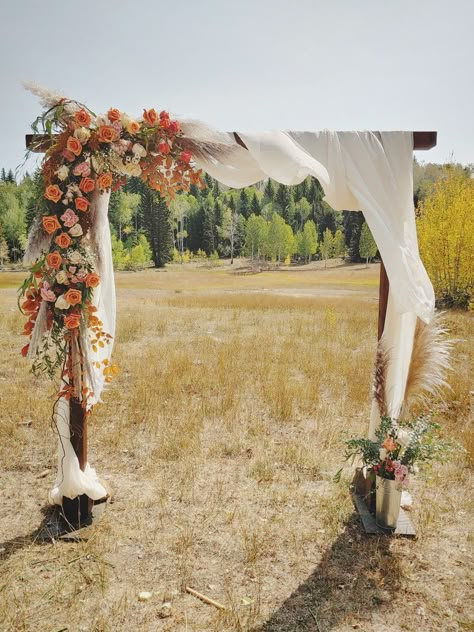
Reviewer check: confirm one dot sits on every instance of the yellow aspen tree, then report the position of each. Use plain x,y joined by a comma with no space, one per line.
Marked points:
446,236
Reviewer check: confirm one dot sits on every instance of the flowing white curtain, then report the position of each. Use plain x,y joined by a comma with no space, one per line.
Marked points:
71,481
358,171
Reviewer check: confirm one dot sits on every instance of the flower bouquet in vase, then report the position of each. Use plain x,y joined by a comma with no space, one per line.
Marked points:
392,456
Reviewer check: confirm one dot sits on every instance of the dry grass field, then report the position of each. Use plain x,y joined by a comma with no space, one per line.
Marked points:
219,442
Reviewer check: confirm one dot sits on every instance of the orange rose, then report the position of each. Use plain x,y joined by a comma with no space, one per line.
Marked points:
133,127
82,204
150,116
389,444
53,193
92,279
104,181
83,118
54,260
74,146
106,134
51,224
72,321
63,240
87,185
73,297
114,115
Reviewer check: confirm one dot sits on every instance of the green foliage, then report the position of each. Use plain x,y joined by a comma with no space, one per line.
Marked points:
327,245
367,245
256,235
307,240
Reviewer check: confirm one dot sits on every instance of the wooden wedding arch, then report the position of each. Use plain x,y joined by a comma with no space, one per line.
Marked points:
78,510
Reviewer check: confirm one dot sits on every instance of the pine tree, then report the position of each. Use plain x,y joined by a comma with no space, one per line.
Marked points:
3,177
282,201
255,205
244,203
156,219
10,176
353,221
209,226
268,192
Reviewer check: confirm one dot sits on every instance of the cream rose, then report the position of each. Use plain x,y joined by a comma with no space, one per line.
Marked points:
61,277
76,230
82,134
139,150
62,172
132,169
75,257
61,303
404,437
382,453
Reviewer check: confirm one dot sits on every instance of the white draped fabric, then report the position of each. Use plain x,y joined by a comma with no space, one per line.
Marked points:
71,481
358,171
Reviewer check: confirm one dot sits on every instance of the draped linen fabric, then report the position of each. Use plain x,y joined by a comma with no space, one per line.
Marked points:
71,481
359,171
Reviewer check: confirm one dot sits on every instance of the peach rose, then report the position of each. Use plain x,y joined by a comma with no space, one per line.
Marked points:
74,146
73,297
164,148
51,224
133,127
63,240
114,115
82,118
104,181
87,185
72,321
92,279
82,204
106,134
53,193
54,260
389,444
150,116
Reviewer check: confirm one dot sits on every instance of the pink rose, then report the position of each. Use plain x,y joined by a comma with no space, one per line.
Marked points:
69,218
82,169
46,293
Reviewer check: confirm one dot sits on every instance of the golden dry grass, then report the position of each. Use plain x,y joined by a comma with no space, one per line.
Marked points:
219,441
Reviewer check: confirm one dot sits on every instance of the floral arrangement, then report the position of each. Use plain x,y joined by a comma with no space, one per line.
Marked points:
399,447
88,155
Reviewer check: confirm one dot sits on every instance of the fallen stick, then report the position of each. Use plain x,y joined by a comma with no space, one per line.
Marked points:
207,600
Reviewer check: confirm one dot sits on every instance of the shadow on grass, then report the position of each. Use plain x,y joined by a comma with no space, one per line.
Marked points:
51,527
355,577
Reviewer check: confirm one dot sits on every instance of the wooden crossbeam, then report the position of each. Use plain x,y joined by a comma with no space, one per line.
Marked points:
39,143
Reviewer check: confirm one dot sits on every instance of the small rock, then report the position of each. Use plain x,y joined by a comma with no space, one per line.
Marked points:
164,610
43,474
145,596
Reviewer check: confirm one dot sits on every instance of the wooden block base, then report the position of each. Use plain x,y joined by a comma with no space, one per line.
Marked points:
404,524
55,526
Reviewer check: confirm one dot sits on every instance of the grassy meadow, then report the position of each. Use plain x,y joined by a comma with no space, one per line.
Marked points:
219,441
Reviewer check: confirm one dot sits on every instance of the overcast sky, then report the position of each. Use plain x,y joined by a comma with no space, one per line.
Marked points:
248,65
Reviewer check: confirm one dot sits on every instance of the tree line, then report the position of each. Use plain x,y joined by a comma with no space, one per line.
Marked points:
268,221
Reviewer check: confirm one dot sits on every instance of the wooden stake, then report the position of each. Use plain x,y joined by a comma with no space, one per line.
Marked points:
207,600
384,287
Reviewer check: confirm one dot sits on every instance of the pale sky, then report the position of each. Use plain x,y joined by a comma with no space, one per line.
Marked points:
248,65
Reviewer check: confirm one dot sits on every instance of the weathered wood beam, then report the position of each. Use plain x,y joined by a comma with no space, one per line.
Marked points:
39,143
421,140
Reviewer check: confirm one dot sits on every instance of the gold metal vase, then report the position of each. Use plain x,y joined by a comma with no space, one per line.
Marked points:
388,497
